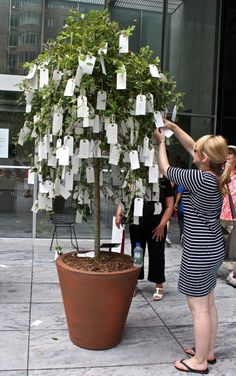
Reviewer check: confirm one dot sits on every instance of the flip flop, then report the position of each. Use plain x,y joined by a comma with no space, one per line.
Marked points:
213,361
158,294
189,369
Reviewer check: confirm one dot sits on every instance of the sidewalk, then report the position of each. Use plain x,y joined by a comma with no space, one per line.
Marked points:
33,333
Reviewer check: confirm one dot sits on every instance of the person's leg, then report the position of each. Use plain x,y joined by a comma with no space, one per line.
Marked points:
137,234
202,311
214,326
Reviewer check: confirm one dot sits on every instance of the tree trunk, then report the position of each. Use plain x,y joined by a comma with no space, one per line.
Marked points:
97,207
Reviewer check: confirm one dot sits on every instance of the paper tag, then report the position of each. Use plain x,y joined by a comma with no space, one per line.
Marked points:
121,81
63,156
112,133
34,208
167,132
84,149
138,207
103,65
123,43
136,220
114,154
41,201
139,188
59,143
78,76
145,146
154,71
140,105
57,122
134,160
36,119
78,217
174,113
75,164
153,174
32,72
89,64
43,77
158,208
43,188
90,175
97,150
70,87
96,124
158,119
82,108
57,75
69,142
57,185
101,100
103,50
69,180
149,159
149,103
64,192
31,176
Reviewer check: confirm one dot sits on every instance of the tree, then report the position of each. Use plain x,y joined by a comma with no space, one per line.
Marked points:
92,104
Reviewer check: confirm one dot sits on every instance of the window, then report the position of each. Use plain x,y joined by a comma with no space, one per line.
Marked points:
30,18
29,38
13,40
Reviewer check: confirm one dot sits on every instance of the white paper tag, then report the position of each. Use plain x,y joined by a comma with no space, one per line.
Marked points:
31,73
123,43
153,174
149,103
57,185
84,149
64,192
90,175
111,133
158,208
69,142
43,77
57,75
43,188
36,119
103,65
138,207
89,64
69,180
70,87
63,156
134,160
114,154
57,122
97,150
75,164
145,146
158,119
154,71
34,208
150,158
121,80
59,143
174,113
140,108
167,132
103,50
96,124
101,100
31,177
82,108
41,201
136,220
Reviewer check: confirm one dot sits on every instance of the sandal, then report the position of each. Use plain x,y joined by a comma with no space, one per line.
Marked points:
189,369
158,293
191,352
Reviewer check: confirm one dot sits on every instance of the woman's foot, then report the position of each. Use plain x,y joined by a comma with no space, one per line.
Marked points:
191,352
158,293
190,365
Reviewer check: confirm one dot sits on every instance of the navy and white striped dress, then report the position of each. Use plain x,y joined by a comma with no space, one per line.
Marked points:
203,240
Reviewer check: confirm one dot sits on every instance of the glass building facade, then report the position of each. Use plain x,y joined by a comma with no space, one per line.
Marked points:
195,41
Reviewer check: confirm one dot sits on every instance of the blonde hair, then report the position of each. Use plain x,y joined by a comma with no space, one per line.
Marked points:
216,149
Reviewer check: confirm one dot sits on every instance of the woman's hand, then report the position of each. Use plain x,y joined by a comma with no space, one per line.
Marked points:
169,124
158,232
159,135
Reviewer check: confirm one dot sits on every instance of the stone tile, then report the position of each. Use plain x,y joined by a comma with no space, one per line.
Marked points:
45,273
15,292
52,316
172,314
46,293
13,257
138,346
14,316
13,273
13,350
142,315
13,373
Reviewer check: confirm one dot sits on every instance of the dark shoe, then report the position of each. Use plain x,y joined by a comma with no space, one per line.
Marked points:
189,369
191,352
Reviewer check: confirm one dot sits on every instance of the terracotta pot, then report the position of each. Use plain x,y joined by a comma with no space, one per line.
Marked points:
96,304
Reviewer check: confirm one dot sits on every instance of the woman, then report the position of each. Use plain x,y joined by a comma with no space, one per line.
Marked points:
203,243
226,216
151,230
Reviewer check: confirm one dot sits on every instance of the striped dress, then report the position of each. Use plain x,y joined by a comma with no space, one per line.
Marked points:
203,240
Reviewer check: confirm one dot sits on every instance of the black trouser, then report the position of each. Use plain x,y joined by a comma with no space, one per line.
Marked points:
156,249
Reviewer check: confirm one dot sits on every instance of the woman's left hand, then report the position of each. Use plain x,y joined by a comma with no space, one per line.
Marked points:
158,232
159,135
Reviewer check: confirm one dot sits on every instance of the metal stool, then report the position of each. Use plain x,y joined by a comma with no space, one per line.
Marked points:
64,214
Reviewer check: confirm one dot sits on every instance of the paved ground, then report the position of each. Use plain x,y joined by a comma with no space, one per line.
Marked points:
34,339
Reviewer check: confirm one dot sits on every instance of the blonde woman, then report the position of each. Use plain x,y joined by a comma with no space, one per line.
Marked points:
203,243
226,215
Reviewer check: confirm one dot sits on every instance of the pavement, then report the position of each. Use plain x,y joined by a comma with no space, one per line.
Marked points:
33,332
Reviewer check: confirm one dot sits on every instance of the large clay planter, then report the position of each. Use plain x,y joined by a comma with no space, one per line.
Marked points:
96,304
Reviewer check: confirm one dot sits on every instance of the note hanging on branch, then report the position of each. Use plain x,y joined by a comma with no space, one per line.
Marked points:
69,180
84,149
140,108
123,43
70,87
138,207
153,174
158,119
101,100
57,75
90,175
63,156
174,114
154,71
114,154
57,122
121,79
43,77
134,160
111,133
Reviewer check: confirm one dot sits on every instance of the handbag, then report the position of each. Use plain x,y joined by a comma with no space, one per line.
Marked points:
230,238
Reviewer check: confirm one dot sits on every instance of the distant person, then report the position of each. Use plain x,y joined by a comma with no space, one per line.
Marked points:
203,251
179,208
226,215
151,231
